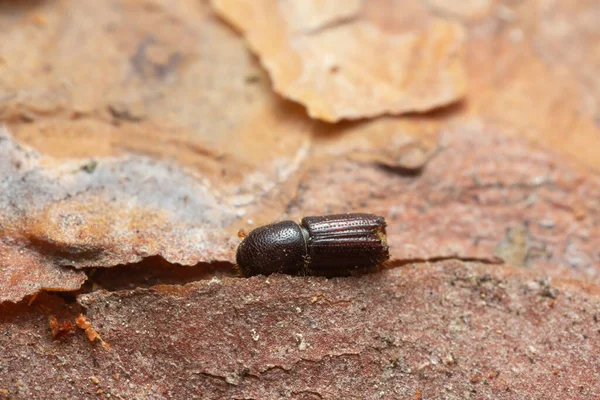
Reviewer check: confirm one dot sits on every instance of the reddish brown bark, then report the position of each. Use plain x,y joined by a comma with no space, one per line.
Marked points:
138,137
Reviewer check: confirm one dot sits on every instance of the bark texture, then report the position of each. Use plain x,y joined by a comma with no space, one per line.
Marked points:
138,136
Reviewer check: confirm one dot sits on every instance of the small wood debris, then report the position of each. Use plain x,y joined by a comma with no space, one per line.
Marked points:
91,333
60,331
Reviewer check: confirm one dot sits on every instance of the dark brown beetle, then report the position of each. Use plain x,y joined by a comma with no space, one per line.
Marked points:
331,245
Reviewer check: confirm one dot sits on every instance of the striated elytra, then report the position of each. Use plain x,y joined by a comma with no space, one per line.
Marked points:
330,245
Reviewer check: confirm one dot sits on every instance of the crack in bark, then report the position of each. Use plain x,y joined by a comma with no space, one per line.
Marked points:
237,377
155,270
242,375
152,271
405,261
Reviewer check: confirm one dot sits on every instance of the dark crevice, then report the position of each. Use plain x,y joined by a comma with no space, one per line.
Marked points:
155,270
67,297
402,170
43,303
150,272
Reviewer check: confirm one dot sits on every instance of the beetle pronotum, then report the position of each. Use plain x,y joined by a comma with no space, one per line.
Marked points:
330,245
